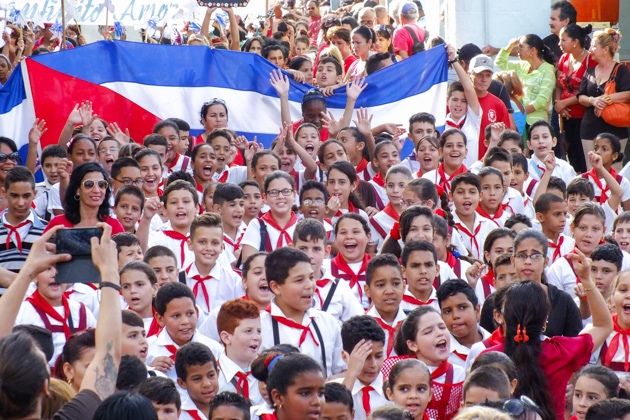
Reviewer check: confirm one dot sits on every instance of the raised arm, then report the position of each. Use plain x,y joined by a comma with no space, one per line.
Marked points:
40,258
310,167
616,192
464,79
205,25
280,83
353,90
34,136
100,376
602,321
235,40
550,164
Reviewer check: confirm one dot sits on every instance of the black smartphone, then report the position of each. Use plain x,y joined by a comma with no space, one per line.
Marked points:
76,242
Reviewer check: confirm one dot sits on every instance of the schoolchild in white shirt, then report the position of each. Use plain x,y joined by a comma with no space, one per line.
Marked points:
222,142
238,323
384,286
551,214
501,160
228,202
211,282
420,268
173,161
422,125
331,295
382,222
50,158
139,286
291,319
177,315
192,361
386,155
520,174
492,192
472,228
163,395
313,204
453,149
364,350
541,142
288,149
275,228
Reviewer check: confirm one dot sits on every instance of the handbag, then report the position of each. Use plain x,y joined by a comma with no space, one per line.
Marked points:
616,114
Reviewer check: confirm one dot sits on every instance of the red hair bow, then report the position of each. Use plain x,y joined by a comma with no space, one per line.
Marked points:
440,190
521,335
395,231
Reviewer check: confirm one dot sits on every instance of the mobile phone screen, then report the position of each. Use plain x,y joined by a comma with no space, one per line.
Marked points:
76,242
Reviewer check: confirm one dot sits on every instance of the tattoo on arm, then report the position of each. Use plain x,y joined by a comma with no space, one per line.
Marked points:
105,382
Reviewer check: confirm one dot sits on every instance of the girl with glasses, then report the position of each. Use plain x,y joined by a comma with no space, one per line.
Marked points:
86,200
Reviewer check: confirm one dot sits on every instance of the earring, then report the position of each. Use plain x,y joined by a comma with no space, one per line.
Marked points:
77,197
69,380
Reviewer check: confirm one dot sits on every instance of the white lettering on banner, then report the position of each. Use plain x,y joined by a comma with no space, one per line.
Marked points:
129,12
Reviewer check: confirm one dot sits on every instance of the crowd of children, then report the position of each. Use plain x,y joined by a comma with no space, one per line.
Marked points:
326,277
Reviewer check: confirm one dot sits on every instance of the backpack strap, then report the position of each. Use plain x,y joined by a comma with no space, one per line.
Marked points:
322,347
182,277
330,294
82,318
185,163
413,34
276,332
264,236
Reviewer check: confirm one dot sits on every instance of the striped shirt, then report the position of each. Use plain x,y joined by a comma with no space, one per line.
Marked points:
10,257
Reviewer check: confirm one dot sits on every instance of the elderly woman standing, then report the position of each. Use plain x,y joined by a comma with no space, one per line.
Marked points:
591,93
536,70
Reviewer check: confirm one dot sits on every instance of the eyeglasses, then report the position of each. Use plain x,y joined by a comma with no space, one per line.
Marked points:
90,183
15,157
274,193
367,22
106,150
214,101
309,202
533,257
128,181
515,407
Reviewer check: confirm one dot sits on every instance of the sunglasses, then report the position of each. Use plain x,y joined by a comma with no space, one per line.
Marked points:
15,157
89,184
214,101
515,407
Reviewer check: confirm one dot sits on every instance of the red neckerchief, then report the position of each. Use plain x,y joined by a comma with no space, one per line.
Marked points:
351,209
268,416
459,125
378,180
365,399
200,283
496,338
489,277
39,302
419,173
154,328
320,285
13,230
224,176
353,278
174,162
614,345
445,180
604,189
172,350
306,330
441,370
391,333
389,210
473,236
362,165
555,247
415,301
236,245
200,187
194,414
283,234
450,259
242,386
183,240
496,216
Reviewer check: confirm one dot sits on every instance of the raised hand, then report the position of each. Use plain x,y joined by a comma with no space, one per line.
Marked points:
75,115
354,88
87,114
252,149
115,131
64,168
241,142
280,82
595,160
37,131
363,121
473,273
550,161
328,121
581,265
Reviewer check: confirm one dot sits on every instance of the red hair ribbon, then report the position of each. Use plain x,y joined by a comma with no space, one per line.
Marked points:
440,212
440,190
521,335
394,233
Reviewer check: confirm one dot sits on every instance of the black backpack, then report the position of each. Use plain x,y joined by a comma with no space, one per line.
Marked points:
418,45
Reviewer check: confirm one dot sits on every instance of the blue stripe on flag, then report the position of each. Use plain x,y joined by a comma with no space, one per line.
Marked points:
13,92
119,61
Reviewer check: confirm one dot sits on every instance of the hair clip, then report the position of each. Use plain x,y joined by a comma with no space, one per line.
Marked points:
440,190
271,360
616,38
394,233
521,335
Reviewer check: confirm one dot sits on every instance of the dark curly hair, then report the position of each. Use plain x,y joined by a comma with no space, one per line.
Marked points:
71,205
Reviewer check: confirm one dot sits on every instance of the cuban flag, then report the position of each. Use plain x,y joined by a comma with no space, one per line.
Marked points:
136,85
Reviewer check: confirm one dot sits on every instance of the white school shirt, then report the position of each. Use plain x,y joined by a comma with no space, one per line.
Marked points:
530,185
377,396
227,372
528,210
617,360
459,374
235,175
475,167
625,186
475,351
514,201
178,163
158,237
230,243
381,195
611,215
252,235
471,128
188,406
328,327
54,199
412,164
157,348
408,306
27,315
82,293
566,244
562,169
561,275
41,199
367,174
381,223
479,291
223,285
258,410
625,263
459,352
474,240
343,304
400,317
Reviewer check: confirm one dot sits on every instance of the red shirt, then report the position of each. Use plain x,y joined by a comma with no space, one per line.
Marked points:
494,110
313,29
347,62
570,83
63,221
559,358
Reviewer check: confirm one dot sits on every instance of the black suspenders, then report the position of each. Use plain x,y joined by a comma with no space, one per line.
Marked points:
276,338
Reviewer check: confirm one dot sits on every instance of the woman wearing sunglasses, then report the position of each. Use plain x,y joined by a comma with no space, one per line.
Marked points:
545,363
9,158
86,201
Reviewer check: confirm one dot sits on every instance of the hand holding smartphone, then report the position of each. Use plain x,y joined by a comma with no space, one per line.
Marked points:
76,242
